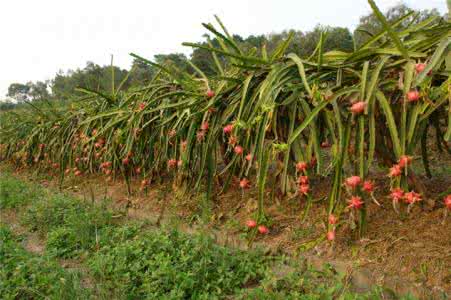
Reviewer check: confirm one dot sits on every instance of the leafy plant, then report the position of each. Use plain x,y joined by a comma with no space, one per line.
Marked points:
27,276
15,193
175,266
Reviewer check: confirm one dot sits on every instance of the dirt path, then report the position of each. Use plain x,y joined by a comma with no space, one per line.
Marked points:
31,240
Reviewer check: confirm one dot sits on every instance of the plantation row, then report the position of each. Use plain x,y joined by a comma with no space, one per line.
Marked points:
264,115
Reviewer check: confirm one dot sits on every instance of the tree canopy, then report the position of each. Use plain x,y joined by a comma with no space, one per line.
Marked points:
98,78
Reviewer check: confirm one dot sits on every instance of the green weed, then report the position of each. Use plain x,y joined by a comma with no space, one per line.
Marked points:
175,266
14,193
27,276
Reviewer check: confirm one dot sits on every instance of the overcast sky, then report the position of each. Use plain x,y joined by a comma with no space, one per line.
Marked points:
40,37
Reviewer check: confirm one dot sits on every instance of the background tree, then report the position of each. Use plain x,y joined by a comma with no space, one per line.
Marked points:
38,90
178,60
92,77
96,77
141,73
203,58
6,105
370,25
18,91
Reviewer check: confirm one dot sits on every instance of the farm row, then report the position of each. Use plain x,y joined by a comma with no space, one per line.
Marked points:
264,117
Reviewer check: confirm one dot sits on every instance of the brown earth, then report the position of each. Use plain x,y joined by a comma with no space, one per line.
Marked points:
404,252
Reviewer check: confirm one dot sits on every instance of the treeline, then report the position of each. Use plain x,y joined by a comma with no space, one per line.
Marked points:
95,77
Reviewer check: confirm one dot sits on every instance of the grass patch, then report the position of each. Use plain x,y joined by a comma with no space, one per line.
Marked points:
72,226
295,280
15,193
173,265
27,276
66,242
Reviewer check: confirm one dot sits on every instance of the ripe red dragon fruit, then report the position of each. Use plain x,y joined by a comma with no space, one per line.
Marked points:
303,180
368,186
404,160
397,194
263,229
78,173
412,197
330,235
228,129
395,171
238,150
251,224
204,126
248,157
332,219
413,96
447,201
172,163
420,67
301,166
353,181
355,202
126,161
358,107
244,183
304,189
210,93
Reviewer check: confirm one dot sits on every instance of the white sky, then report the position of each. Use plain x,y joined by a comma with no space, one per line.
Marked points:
40,37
